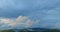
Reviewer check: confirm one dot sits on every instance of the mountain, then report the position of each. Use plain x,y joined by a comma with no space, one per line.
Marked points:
39,30
31,30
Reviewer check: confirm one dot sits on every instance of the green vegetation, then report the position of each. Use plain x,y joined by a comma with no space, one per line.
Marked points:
48,30
7,31
27,30
52,30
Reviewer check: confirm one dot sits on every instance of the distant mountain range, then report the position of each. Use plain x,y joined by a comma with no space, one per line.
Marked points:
31,30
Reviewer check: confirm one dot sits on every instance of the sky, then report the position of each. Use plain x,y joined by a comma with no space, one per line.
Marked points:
41,13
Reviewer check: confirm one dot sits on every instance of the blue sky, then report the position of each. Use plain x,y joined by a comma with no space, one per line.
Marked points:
45,12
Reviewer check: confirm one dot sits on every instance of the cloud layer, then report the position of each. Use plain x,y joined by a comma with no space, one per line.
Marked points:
45,12
15,8
25,22
20,22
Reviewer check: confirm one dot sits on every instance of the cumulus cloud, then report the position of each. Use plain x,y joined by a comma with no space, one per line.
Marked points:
20,20
25,22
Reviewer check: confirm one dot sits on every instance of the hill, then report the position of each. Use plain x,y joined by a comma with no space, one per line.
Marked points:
31,30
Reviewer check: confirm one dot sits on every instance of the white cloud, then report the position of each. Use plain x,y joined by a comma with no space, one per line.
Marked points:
26,21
